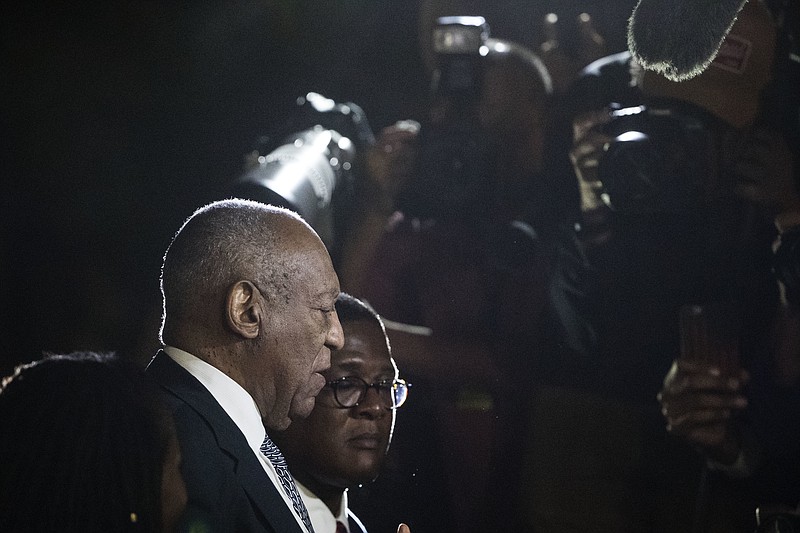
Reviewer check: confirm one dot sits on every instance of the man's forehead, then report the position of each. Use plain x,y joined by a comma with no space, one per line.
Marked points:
329,293
349,362
308,258
366,338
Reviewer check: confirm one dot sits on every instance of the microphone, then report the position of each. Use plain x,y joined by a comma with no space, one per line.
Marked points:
680,38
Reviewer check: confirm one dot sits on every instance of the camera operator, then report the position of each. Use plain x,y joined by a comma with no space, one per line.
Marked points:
672,215
463,248
760,446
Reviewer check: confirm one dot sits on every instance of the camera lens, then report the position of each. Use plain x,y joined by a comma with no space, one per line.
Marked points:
656,162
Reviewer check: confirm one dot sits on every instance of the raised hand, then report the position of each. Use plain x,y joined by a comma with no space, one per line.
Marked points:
699,402
565,64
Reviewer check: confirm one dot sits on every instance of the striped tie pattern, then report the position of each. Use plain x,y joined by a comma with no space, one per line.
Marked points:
275,457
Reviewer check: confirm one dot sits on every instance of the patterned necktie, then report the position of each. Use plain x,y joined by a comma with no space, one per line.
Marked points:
275,457
340,528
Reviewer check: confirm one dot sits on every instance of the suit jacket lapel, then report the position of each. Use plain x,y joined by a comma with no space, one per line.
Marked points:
263,494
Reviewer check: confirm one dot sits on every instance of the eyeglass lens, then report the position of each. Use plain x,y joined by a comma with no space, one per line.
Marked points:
350,391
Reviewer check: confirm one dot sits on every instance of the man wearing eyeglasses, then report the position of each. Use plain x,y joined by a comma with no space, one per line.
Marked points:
343,443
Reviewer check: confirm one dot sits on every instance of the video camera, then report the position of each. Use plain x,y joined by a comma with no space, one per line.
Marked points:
312,168
457,45
659,160
453,159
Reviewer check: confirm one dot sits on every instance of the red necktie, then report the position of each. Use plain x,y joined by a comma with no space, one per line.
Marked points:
340,528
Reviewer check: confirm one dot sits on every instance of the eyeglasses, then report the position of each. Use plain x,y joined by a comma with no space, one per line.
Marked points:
350,391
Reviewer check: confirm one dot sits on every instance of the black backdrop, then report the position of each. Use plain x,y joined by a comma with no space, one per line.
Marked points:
120,118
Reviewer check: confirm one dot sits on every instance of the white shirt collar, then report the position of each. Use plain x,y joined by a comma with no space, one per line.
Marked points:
236,401
322,518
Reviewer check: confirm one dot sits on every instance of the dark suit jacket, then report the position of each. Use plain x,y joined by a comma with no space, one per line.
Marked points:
227,487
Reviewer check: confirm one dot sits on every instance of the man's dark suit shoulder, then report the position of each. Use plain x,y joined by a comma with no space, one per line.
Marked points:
225,482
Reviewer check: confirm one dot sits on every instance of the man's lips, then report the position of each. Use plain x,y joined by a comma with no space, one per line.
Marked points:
317,382
367,441
322,362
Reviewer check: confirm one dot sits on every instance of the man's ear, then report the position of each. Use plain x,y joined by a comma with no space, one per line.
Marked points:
242,311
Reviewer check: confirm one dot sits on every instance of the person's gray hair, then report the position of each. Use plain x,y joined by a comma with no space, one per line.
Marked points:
219,244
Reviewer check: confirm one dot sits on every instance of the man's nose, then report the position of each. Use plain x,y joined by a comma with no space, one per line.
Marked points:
335,337
372,405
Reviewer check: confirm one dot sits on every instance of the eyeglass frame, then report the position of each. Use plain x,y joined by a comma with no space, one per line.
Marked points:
394,382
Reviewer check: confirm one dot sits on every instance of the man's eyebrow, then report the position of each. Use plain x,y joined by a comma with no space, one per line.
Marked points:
355,365
327,294
350,365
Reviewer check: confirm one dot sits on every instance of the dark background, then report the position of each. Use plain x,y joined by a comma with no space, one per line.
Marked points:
120,118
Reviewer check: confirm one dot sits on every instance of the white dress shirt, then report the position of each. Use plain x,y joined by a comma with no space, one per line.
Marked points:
322,518
239,406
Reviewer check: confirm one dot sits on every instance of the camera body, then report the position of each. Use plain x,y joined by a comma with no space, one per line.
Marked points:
457,44
659,160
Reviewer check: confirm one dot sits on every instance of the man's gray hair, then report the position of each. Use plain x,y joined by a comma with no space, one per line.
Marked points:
219,244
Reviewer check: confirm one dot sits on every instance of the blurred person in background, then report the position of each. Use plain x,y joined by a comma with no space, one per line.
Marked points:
669,219
458,240
87,447
746,427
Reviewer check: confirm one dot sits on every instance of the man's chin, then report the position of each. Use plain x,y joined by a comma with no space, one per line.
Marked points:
303,408
277,425
304,401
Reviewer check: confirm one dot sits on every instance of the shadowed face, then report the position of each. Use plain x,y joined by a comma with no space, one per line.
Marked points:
343,447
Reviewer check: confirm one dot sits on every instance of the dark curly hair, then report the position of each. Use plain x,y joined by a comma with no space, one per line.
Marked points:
83,444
